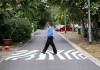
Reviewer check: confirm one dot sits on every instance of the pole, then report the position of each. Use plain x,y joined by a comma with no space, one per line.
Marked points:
65,21
89,20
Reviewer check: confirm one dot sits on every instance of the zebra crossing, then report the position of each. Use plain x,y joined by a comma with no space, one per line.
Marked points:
62,55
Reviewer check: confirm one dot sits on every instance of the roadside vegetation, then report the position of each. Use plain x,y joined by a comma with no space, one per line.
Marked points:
19,17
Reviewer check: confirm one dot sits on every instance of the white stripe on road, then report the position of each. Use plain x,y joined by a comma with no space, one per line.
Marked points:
75,55
51,57
31,56
15,57
68,55
82,56
28,55
20,52
59,54
42,56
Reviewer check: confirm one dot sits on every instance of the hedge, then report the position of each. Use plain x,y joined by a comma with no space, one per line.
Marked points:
21,28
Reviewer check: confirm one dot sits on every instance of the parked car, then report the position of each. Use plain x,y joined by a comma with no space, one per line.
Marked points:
58,27
62,28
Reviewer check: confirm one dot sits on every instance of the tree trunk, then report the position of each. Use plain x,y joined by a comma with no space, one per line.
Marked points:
85,30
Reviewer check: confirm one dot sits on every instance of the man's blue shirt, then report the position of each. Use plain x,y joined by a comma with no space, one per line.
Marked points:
50,31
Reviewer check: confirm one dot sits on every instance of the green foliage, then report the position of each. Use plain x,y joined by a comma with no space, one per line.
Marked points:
77,11
18,29
23,31
35,25
41,23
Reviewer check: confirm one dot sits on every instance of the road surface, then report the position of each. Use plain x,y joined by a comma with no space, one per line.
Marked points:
31,58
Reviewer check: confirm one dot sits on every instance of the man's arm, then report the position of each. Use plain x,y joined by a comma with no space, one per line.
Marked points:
50,31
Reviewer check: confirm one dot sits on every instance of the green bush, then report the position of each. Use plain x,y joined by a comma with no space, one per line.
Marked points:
35,25
22,27
23,31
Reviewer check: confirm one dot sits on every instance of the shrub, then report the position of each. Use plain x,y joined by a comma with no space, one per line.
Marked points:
35,25
23,29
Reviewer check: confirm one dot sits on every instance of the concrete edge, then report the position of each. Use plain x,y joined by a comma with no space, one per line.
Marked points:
3,59
89,56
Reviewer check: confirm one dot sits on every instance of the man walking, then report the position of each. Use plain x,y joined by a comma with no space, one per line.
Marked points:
49,39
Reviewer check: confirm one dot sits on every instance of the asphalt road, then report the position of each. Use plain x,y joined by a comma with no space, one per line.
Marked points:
30,57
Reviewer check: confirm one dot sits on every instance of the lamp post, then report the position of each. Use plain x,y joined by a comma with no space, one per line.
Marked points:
89,20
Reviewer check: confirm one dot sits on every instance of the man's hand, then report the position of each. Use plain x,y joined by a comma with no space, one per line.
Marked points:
53,38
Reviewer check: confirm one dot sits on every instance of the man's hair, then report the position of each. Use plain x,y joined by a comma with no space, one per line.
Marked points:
48,22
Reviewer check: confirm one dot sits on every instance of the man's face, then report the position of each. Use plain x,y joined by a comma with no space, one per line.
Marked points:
47,24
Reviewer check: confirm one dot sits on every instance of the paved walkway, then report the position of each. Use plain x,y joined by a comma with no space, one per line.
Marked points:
30,57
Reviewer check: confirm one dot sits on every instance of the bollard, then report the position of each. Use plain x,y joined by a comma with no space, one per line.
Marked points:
7,48
1,48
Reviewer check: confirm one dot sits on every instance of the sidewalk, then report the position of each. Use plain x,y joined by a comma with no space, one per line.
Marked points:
4,54
86,53
82,42
15,48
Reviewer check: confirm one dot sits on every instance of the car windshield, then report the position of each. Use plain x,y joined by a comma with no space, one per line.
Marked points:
62,25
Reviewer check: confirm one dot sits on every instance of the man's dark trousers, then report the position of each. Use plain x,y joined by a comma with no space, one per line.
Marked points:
50,42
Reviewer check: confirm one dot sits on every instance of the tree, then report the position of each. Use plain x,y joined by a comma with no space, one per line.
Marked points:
77,11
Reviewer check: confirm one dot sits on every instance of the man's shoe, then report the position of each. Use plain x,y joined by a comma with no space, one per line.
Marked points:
42,52
54,53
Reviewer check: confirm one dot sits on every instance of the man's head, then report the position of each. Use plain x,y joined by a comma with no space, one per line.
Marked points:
47,23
